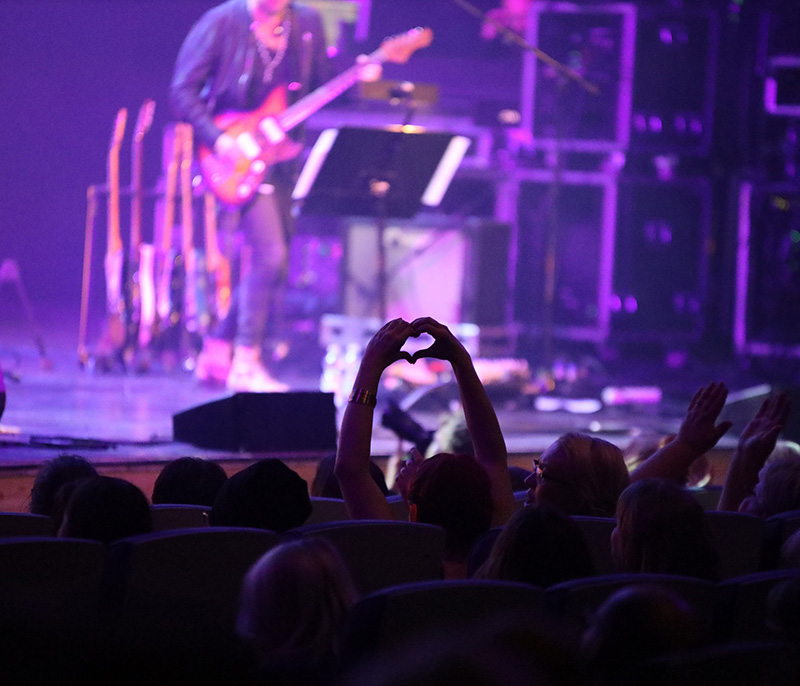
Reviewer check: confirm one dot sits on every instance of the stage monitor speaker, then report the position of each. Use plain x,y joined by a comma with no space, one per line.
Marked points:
261,423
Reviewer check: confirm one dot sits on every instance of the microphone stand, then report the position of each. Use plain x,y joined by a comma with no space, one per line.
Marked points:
564,75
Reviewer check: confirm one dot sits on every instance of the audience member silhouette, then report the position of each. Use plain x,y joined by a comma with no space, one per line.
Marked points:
579,475
783,610
646,444
539,546
293,605
661,528
106,509
325,484
698,433
188,481
634,625
444,481
52,475
757,442
265,495
451,436
777,490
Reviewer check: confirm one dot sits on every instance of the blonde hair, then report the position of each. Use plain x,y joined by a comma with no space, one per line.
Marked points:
597,473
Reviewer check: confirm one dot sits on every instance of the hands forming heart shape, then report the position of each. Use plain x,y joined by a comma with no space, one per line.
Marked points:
386,344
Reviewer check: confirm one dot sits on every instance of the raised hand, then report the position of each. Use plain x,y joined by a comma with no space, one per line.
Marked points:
407,472
699,430
755,445
445,345
761,434
384,347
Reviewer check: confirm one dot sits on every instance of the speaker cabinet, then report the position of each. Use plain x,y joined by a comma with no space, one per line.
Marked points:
261,423
768,271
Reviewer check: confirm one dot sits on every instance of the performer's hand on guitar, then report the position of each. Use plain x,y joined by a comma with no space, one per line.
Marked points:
228,148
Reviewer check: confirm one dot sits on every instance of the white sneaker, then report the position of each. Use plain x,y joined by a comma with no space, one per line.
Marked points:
214,361
247,374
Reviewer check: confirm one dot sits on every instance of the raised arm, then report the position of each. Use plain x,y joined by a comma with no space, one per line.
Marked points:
482,424
362,496
698,434
755,445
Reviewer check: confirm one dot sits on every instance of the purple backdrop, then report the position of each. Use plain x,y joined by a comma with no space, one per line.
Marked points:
67,66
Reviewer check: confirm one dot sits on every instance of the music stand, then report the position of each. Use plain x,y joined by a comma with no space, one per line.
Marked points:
380,173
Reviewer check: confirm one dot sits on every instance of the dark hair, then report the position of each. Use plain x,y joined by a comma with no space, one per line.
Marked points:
265,495
106,509
52,475
453,491
326,485
662,528
188,481
295,600
638,623
540,546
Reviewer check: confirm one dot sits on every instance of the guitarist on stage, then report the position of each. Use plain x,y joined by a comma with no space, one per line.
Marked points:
233,59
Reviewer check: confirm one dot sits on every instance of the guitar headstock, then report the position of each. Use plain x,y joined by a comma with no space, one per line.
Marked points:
118,131
399,48
144,120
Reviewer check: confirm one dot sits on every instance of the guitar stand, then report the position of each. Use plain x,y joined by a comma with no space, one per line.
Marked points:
10,273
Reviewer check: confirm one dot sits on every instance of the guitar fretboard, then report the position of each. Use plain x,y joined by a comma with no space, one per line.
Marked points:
317,99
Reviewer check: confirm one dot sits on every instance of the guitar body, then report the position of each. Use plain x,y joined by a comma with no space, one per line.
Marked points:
236,181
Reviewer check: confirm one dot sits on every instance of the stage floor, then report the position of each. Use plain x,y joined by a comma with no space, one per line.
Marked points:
124,420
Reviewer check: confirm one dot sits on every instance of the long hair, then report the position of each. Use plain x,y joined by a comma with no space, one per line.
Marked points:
662,528
540,546
453,491
598,473
295,599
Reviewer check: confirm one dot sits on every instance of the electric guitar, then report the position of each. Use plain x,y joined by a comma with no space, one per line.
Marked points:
193,259
168,264
218,265
261,132
115,304
140,305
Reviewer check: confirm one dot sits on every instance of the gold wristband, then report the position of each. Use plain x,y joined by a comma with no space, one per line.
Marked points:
363,396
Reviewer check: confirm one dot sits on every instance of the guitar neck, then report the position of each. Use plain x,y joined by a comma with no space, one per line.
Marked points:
136,198
114,235
301,110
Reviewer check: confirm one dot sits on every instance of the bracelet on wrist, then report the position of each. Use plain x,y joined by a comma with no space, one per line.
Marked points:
363,396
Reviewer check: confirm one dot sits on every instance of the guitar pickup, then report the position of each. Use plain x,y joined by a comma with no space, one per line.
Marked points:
248,145
271,130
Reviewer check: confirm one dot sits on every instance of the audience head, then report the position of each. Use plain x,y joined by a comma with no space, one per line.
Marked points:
452,436
265,495
783,609
453,491
518,476
325,484
661,528
105,509
52,475
790,551
188,481
294,600
778,487
540,546
784,449
579,475
636,624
